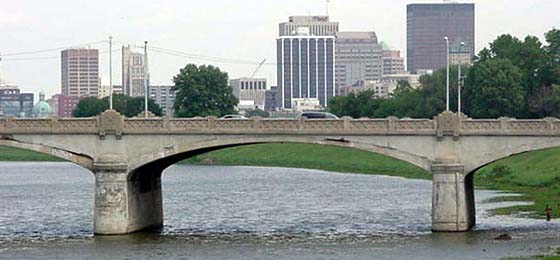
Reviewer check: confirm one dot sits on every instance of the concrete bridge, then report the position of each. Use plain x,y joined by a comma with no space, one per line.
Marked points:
128,155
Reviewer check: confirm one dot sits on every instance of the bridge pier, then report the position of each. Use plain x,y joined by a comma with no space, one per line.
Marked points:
125,203
453,207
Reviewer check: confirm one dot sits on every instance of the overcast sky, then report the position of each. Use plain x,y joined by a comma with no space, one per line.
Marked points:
240,30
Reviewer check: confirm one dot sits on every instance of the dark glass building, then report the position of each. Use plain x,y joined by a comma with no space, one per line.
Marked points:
428,24
305,69
14,103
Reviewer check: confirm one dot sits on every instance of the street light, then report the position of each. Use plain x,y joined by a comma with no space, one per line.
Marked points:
447,85
459,79
111,72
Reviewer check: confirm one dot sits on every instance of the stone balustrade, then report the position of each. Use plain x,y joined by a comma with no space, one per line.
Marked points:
446,124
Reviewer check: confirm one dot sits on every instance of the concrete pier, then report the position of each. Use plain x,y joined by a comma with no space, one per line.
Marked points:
453,208
124,205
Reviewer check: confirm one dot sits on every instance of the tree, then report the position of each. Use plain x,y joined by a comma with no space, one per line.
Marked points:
88,107
546,101
256,112
125,105
494,89
203,91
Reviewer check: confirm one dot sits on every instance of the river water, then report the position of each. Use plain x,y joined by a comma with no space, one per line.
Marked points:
46,212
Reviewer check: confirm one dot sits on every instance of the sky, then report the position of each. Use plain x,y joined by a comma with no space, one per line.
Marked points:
233,35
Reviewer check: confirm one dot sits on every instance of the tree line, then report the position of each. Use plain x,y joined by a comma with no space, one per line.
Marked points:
512,77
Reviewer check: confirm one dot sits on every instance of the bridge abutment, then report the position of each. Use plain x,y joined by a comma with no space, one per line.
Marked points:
123,204
453,208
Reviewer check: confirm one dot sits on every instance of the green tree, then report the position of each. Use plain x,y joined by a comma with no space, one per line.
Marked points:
88,107
203,91
494,89
125,105
256,112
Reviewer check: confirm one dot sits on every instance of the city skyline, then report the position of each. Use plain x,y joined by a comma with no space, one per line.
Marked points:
214,35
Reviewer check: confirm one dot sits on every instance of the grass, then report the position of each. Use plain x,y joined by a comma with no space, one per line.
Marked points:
328,158
20,155
536,174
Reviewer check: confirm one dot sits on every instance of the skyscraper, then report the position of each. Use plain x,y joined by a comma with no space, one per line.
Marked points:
318,26
305,68
80,72
428,24
358,58
133,74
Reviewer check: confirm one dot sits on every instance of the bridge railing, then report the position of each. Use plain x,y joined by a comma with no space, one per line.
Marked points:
445,124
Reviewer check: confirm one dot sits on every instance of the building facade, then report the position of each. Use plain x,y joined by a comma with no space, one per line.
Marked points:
14,103
133,73
393,62
105,91
428,24
272,99
318,26
80,72
358,58
63,106
250,89
460,54
164,96
305,68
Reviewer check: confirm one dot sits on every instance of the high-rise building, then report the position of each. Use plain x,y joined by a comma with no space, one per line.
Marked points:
250,91
164,96
80,72
133,74
318,26
358,58
428,24
305,68
393,63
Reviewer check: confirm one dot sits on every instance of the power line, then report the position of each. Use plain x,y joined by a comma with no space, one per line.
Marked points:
48,50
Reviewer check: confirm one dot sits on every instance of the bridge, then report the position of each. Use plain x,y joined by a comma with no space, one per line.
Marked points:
128,155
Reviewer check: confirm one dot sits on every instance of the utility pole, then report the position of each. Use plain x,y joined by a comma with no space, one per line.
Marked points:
146,79
459,81
0,70
111,72
447,85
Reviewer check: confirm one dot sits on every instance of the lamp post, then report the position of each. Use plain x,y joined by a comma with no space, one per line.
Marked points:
146,79
111,72
447,84
459,80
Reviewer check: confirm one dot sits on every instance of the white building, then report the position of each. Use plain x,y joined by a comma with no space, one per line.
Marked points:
250,92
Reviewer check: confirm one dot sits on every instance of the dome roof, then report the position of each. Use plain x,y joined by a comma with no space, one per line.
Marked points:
42,108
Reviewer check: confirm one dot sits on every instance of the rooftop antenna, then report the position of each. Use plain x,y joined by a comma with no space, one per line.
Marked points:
328,2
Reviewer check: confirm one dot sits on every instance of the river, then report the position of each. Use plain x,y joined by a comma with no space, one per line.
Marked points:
212,212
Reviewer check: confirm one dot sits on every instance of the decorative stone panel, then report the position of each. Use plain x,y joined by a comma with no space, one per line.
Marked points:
111,122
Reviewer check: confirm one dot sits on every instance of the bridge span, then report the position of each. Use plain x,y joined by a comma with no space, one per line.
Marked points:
128,155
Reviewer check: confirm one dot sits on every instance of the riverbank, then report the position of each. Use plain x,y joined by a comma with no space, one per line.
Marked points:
536,175
9,154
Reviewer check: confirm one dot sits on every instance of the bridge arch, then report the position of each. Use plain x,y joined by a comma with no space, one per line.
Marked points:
82,160
164,157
